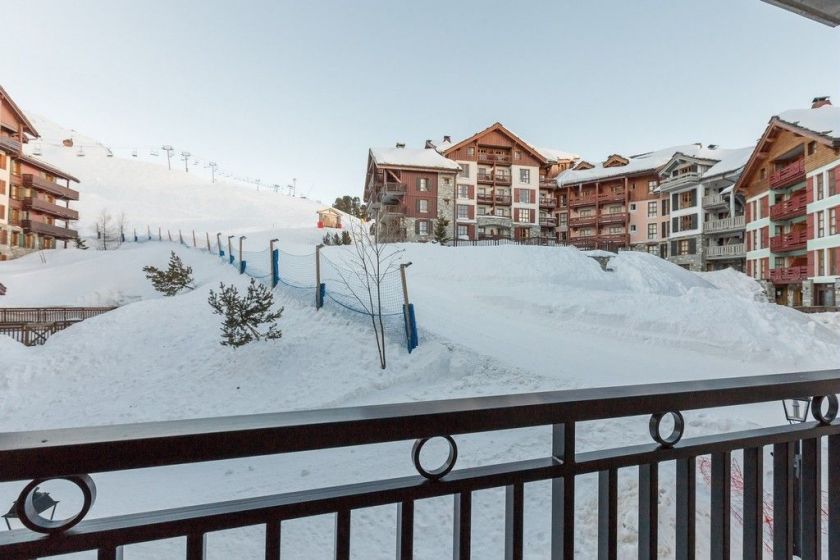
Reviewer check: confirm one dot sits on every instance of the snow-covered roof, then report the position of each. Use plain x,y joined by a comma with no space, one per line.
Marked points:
638,164
411,157
445,145
557,155
733,160
824,120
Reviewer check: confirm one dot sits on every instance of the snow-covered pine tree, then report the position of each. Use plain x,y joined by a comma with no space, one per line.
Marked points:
441,235
245,316
172,280
336,240
81,244
346,239
327,239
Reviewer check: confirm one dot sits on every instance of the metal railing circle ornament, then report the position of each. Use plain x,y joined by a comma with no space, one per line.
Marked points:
441,471
32,519
676,433
830,414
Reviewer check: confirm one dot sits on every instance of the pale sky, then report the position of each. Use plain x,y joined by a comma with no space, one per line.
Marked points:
275,89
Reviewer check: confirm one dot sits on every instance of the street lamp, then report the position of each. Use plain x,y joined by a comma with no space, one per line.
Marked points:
796,410
42,502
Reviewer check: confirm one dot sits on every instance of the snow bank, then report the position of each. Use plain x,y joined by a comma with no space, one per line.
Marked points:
736,283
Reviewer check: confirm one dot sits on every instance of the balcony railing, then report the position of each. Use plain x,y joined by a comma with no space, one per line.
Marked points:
548,222
10,144
797,456
578,221
41,184
33,226
546,202
734,223
726,251
680,180
611,196
714,200
789,275
613,218
794,207
614,237
498,178
45,207
584,200
502,158
792,241
788,175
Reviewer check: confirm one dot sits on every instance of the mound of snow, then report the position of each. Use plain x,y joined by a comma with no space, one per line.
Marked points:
736,283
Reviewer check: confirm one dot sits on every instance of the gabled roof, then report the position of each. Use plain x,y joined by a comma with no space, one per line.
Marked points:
553,155
733,161
28,126
34,162
821,125
615,160
497,126
423,158
637,165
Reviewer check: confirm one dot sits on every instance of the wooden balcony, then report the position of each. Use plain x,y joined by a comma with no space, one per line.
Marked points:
611,196
45,207
45,185
548,222
548,202
793,241
392,211
613,218
9,144
614,238
714,201
581,221
490,198
497,158
794,207
788,175
789,275
724,225
31,226
734,251
583,200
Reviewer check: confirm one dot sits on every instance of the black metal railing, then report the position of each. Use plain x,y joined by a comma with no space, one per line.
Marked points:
44,455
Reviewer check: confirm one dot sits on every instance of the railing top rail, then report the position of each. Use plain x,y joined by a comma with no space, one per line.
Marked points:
24,455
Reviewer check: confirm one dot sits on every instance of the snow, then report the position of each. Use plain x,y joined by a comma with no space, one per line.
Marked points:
732,161
638,164
823,120
552,154
411,157
493,320
736,283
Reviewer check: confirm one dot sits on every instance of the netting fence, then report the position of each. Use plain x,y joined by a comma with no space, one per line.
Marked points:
337,283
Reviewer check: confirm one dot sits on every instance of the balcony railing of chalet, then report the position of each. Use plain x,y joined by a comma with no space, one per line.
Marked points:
50,230
792,241
46,455
41,184
611,196
724,224
494,157
546,202
679,180
792,208
391,188
613,217
489,198
499,178
10,144
392,210
790,275
548,222
578,221
788,175
46,207
614,237
726,251
713,200
583,200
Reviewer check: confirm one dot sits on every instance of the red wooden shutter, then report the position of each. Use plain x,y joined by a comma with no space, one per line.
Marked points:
472,191
533,197
417,226
765,236
516,214
765,206
836,260
749,268
516,194
471,212
765,268
810,227
809,189
471,232
811,263
748,212
836,177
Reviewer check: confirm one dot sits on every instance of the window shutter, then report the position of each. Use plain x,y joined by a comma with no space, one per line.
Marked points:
834,179
692,246
673,247
811,264
765,206
810,226
516,214
417,206
747,213
693,222
675,202
693,197
471,212
809,188
417,227
417,183
675,225
471,191
533,197
765,237
516,194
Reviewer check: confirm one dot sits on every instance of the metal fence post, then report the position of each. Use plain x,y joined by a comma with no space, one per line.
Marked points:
241,262
230,248
149,232
219,241
135,235
169,233
207,234
273,256
319,300
180,237
194,243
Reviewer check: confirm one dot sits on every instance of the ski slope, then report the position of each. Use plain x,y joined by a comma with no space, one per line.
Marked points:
493,320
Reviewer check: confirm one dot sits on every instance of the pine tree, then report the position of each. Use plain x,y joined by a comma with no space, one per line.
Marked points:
327,239
172,280
336,240
245,315
441,235
81,244
346,239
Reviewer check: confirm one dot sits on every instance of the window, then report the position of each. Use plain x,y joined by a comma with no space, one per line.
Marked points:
463,232
465,170
482,210
503,212
665,207
683,247
664,229
471,151
423,184
652,207
762,173
633,228
688,199
447,181
818,187
820,224
820,262
2,161
832,182
832,222
562,219
463,191
812,147
525,215
615,230
651,231
651,186
524,175
524,196
423,206
517,154
423,227
632,206
463,211
653,249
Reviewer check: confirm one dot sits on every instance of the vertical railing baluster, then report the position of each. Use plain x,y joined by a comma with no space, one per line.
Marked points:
811,484
405,530
461,529
342,535
272,539
753,503
514,509
783,457
834,496
563,494
110,553
196,546
648,510
608,514
720,504
686,508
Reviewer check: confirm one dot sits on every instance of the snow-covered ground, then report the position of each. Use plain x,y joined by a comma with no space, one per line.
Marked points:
492,320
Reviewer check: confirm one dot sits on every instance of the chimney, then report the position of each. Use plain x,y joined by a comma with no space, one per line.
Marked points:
820,102
713,146
447,139
429,145
400,145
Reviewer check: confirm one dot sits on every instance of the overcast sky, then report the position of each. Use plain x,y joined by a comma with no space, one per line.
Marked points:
276,89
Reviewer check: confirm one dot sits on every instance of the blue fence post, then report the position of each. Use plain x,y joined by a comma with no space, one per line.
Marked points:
410,327
275,267
241,267
320,288
319,295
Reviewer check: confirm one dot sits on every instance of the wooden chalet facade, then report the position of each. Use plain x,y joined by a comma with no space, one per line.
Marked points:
35,197
790,184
